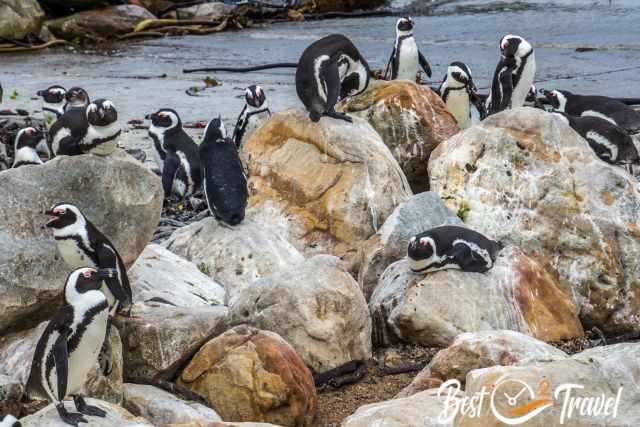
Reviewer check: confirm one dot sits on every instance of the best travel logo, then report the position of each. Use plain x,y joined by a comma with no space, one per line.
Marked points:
514,402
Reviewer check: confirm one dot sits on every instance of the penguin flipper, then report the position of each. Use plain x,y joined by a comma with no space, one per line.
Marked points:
61,359
424,64
330,76
171,165
107,258
467,259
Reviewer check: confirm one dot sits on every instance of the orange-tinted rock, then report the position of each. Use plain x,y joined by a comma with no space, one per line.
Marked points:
250,375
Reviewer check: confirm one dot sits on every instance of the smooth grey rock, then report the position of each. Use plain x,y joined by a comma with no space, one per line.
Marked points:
18,18
116,416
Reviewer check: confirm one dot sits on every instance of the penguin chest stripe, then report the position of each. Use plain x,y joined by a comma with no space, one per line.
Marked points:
321,84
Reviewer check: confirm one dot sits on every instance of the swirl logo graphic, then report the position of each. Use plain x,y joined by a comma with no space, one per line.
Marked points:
516,414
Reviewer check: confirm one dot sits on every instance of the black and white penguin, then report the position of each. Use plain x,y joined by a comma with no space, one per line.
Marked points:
103,131
81,244
610,142
458,93
25,147
53,102
606,108
254,114
10,421
177,154
406,59
514,74
71,126
452,247
225,183
70,344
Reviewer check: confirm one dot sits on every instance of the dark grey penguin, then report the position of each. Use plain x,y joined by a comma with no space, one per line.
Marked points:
406,59
452,247
225,183
25,147
254,114
603,107
178,156
70,344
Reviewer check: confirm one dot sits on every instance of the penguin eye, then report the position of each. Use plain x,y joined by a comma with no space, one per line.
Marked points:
60,211
88,273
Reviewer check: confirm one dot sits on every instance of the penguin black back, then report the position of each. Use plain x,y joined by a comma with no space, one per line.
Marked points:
225,183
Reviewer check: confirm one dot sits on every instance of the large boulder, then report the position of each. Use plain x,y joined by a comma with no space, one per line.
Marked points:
411,119
604,379
525,177
116,417
120,197
234,257
99,24
161,276
316,306
329,185
18,18
517,294
158,339
252,375
420,213
161,407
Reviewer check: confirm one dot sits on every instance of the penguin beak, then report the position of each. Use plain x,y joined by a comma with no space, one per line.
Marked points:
147,117
52,217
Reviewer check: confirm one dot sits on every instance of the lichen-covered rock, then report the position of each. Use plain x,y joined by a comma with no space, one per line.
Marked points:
316,306
158,339
220,424
99,24
18,18
116,416
411,119
236,256
11,393
418,214
252,375
161,408
161,276
517,294
331,184
526,178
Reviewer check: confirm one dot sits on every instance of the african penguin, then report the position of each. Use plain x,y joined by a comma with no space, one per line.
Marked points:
66,132
177,154
70,343
225,183
103,131
330,69
452,247
458,91
513,76
26,143
532,99
603,107
610,142
53,102
406,59
254,114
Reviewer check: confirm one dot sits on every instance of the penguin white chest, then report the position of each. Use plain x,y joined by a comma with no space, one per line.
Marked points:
408,60
458,105
73,255
84,357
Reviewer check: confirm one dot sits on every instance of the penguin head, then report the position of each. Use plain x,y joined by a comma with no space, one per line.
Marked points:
165,118
28,137
459,75
62,215
557,98
215,131
53,94
102,112
77,97
514,47
255,96
421,247
85,279
404,25
10,421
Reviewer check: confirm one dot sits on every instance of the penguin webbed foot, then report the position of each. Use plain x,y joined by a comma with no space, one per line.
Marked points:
71,418
339,116
85,409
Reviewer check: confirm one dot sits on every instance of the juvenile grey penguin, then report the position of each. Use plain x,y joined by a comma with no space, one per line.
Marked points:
225,182
254,114
53,103
514,74
177,154
69,345
25,147
452,247
406,59
458,93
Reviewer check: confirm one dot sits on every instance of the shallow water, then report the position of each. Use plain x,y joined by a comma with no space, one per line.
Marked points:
556,28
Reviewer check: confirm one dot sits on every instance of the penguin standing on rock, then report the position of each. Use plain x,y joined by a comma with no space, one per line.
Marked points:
406,59
452,247
26,143
254,114
225,183
69,345
177,154
458,93
513,76
53,103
